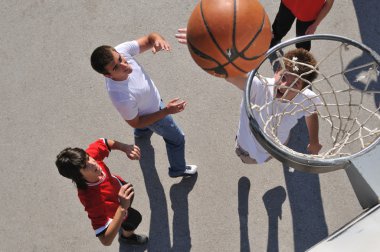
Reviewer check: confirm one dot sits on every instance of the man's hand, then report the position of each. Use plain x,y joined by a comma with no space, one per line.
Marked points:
175,106
181,36
314,148
126,194
132,151
160,44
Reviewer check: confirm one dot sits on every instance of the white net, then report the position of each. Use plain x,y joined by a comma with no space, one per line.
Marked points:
345,96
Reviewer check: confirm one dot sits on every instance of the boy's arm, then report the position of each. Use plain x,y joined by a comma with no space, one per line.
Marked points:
125,196
174,106
322,14
154,41
238,81
313,127
132,151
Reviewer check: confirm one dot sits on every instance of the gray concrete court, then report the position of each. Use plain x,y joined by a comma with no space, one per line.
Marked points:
51,99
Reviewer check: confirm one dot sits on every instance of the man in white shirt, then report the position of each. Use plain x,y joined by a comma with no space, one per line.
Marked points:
135,96
286,99
287,94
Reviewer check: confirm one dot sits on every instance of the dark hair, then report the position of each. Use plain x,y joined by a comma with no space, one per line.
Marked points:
69,162
101,57
303,56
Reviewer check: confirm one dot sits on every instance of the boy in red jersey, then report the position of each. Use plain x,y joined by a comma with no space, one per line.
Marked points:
309,14
106,197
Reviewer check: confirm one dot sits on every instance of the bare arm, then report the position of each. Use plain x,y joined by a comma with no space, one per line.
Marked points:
125,196
173,107
322,14
238,81
313,128
154,41
132,151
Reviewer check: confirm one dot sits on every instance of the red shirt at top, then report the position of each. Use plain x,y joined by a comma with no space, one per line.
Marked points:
100,199
304,10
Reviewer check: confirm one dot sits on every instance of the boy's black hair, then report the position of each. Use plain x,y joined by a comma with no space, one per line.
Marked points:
101,57
69,162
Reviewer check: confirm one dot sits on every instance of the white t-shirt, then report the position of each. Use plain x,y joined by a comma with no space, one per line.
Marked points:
137,95
294,110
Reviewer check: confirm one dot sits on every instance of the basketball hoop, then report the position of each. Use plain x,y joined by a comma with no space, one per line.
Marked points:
348,86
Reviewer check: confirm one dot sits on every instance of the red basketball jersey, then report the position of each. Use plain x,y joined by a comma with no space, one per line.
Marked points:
304,10
100,199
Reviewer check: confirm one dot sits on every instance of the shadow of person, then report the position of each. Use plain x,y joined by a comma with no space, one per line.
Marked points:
179,199
309,224
273,200
364,77
159,235
244,186
370,34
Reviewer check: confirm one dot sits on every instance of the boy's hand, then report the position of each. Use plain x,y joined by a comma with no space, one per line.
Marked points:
311,29
181,36
160,44
175,106
132,151
126,194
314,148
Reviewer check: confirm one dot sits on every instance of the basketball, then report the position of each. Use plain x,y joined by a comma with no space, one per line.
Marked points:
228,38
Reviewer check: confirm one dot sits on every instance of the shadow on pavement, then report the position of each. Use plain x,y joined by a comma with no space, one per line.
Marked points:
273,200
180,205
159,234
304,193
369,28
244,186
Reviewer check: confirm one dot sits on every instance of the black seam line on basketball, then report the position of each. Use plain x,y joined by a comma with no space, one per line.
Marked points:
241,54
229,61
202,54
219,69
234,29
214,40
223,65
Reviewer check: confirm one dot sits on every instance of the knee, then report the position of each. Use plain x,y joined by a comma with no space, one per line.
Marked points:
178,140
133,220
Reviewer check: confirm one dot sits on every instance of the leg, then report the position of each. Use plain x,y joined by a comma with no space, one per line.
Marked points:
143,133
301,28
133,220
128,227
175,144
282,24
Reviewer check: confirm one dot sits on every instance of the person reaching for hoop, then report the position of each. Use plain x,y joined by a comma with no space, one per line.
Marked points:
290,98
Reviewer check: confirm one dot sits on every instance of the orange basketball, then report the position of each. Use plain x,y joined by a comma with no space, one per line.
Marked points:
228,38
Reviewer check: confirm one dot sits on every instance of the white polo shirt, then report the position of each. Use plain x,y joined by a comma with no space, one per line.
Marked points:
137,95
304,104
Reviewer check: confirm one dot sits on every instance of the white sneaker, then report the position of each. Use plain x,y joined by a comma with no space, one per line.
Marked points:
190,171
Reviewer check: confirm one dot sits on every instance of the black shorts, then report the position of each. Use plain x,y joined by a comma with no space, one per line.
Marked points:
132,221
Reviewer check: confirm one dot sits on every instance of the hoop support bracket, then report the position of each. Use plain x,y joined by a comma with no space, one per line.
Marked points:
364,175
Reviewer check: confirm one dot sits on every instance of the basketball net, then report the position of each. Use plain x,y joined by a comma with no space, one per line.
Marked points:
349,95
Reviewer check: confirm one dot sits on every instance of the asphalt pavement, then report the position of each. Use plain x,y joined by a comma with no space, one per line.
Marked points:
52,99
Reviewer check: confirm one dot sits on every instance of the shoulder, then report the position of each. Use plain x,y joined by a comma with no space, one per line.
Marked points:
309,93
310,96
129,48
98,149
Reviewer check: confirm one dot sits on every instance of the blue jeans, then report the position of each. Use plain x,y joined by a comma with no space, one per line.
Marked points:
174,140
